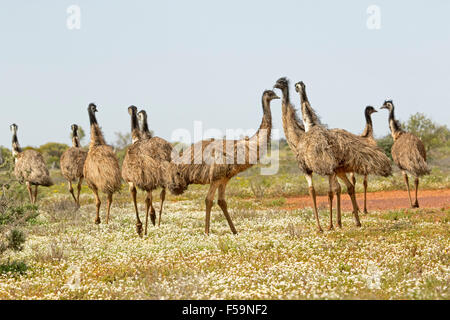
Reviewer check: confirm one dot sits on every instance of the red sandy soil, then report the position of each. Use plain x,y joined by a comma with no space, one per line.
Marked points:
382,200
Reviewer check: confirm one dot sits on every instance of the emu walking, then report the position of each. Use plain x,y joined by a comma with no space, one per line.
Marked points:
368,135
72,163
160,150
141,170
101,168
215,162
326,152
408,152
29,167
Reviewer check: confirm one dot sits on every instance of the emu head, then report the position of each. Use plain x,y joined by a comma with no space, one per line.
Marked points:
388,104
132,110
177,183
13,128
74,128
92,108
282,83
369,110
142,115
300,87
269,95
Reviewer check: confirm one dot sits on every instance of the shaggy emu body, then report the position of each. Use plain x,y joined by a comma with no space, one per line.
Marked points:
101,168
29,167
72,163
143,168
408,153
215,162
332,153
368,135
161,151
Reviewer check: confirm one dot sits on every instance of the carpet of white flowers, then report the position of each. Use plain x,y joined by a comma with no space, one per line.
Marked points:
276,255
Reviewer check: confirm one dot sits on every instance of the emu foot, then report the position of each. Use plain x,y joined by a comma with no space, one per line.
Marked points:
153,219
415,205
365,211
319,230
139,229
339,225
97,220
330,227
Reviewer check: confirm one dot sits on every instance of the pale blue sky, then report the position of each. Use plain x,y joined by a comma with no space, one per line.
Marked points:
211,60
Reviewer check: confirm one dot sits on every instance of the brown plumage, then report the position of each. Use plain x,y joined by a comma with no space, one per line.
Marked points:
215,162
29,167
161,151
327,152
368,135
101,168
145,167
72,163
408,152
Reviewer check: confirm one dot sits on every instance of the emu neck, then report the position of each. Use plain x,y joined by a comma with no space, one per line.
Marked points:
262,137
96,133
309,116
135,132
145,130
293,129
394,125
75,140
368,130
16,149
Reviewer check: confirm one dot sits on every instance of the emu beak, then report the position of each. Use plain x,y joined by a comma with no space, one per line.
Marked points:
276,97
383,107
374,110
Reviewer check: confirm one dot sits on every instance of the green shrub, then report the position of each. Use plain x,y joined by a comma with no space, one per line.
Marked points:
13,267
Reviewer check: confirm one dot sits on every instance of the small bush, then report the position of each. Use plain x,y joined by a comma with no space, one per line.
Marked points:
19,267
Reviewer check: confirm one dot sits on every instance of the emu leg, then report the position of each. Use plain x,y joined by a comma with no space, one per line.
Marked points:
209,203
98,203
71,192
30,192
338,204
80,182
330,205
353,178
405,176
110,199
365,194
351,193
35,193
133,193
162,196
223,205
312,193
416,185
335,187
148,205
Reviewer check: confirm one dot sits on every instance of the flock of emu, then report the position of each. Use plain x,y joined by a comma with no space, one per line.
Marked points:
149,164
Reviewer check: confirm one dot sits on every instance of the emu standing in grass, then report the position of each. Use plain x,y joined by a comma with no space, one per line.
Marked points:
408,152
29,167
215,162
72,163
327,152
101,168
160,150
368,135
141,170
